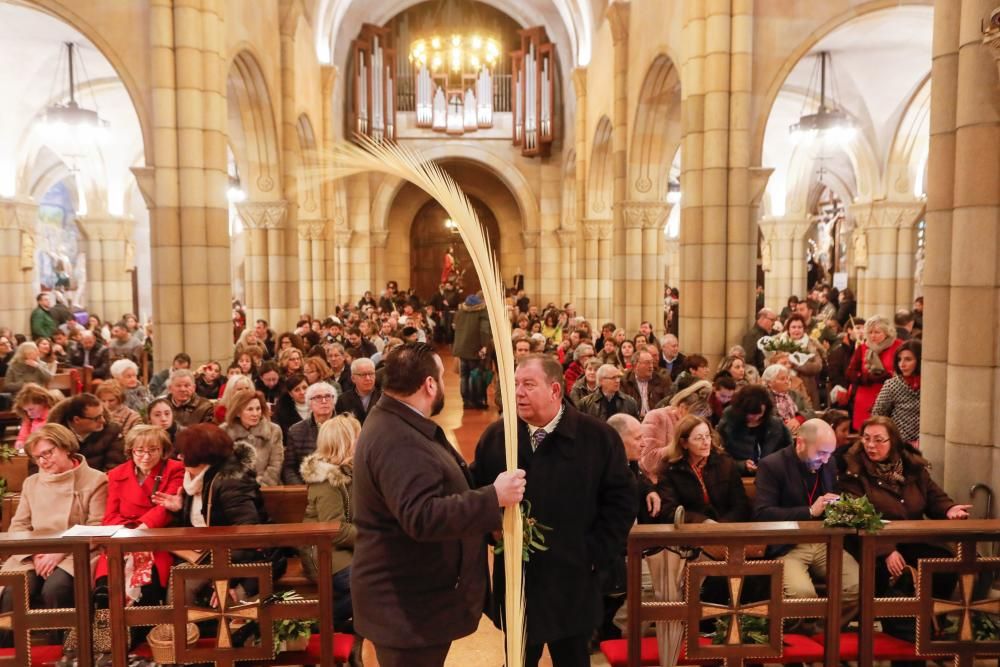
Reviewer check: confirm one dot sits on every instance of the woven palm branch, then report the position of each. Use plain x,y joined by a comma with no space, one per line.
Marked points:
347,159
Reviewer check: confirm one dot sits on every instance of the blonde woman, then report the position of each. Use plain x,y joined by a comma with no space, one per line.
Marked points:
329,473
237,384
25,367
113,398
248,422
290,361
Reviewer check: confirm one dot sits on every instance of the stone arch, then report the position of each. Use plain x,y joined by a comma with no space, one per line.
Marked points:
907,158
252,128
508,174
600,180
309,191
656,131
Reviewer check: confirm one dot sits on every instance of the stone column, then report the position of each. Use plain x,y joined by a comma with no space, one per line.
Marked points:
379,240
597,236
884,233
530,240
671,262
644,223
265,261
784,258
567,264
109,280
312,267
588,263
626,297
940,202
973,384
342,252
547,256
588,301
18,219
189,223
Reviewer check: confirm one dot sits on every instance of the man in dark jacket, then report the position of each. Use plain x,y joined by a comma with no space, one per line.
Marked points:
472,336
90,352
360,400
608,400
645,383
762,327
671,358
580,486
301,441
189,407
101,442
419,574
796,484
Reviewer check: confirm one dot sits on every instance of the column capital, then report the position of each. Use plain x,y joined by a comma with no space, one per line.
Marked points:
886,214
531,238
379,239
145,179
342,237
580,82
645,214
618,16
18,213
312,230
566,237
759,176
784,229
263,214
598,229
991,38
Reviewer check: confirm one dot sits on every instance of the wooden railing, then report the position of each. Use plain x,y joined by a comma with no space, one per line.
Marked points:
220,571
968,566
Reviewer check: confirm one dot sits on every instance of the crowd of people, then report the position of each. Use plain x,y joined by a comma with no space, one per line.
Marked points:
814,403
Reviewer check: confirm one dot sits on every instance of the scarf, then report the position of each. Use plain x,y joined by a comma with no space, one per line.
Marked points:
193,486
784,405
889,472
913,382
872,354
699,473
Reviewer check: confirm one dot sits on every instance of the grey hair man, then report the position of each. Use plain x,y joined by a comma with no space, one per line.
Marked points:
362,398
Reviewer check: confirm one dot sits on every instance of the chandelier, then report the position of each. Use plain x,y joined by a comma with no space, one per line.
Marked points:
830,120
455,51
69,124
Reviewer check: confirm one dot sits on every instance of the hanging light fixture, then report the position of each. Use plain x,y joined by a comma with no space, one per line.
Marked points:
830,120
452,46
68,124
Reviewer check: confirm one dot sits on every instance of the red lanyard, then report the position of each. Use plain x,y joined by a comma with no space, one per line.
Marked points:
701,480
812,495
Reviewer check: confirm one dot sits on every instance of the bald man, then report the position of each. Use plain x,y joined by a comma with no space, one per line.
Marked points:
796,484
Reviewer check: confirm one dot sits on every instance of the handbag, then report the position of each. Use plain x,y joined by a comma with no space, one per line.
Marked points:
100,634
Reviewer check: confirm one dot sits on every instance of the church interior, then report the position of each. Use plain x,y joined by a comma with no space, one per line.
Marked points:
684,163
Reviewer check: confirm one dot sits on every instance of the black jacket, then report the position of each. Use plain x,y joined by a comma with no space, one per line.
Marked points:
300,443
579,484
97,359
784,487
727,502
104,449
351,402
744,443
419,576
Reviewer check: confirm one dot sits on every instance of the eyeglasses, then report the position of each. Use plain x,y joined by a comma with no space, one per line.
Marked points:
365,375
322,397
139,453
614,378
98,418
704,437
46,455
873,440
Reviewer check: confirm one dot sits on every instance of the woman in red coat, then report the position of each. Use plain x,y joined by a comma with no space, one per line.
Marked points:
871,366
131,487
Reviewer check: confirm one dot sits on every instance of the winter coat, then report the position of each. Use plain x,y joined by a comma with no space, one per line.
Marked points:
103,449
900,403
754,355
130,504
867,384
138,398
744,443
580,485
472,330
419,576
657,431
658,388
580,390
269,450
598,405
300,443
285,414
208,391
125,418
329,499
810,370
196,411
350,402
727,499
54,503
19,374
97,359
43,325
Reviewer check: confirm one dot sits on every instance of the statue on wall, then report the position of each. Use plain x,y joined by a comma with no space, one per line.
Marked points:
861,250
449,267
765,256
27,251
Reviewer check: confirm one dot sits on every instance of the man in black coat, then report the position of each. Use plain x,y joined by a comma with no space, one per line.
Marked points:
580,486
360,400
419,574
90,352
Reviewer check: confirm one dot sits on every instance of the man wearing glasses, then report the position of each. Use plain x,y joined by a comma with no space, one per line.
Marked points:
360,400
608,400
101,442
301,442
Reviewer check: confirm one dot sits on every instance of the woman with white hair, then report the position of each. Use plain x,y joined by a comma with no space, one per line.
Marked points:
789,405
25,367
871,365
126,373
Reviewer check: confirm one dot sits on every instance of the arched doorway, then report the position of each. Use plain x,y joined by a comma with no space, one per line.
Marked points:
431,236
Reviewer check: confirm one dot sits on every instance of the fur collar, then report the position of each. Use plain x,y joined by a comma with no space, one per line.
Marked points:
854,462
471,309
241,462
315,471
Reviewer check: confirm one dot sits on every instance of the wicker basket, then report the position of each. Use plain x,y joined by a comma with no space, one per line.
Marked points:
161,641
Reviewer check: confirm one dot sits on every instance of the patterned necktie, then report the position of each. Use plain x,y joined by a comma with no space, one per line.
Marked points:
537,437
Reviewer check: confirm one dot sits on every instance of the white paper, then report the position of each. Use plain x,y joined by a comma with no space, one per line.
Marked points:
81,530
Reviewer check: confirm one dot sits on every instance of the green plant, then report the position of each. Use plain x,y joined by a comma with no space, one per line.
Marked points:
780,344
534,535
985,627
7,453
3,486
851,512
289,629
753,630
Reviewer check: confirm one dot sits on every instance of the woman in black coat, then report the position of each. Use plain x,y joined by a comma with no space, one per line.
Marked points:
750,430
699,476
220,489
291,406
